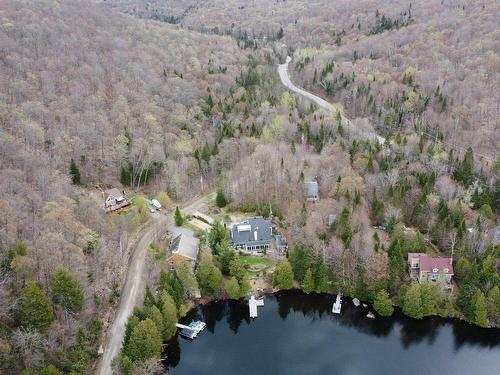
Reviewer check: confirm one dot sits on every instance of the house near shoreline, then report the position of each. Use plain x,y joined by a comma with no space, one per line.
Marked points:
114,199
253,234
436,270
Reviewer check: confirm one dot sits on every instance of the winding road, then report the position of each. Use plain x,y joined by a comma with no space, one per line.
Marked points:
135,283
287,82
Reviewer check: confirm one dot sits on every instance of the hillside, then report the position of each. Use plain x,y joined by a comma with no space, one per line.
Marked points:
181,98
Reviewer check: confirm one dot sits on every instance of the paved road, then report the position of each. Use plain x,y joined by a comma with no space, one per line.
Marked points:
135,283
285,79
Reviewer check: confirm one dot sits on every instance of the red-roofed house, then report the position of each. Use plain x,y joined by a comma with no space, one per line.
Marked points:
432,269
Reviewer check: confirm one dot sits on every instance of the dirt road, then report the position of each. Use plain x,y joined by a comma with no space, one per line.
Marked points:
287,82
135,282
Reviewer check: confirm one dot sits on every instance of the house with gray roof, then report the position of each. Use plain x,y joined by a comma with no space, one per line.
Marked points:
253,234
311,190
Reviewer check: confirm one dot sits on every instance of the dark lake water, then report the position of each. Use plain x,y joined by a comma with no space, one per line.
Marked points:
297,334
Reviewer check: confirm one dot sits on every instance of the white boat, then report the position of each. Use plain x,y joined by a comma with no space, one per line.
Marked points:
370,315
356,302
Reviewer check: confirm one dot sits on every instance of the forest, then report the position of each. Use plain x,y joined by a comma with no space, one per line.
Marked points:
184,97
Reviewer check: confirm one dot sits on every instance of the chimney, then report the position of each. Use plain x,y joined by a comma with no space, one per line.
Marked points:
255,235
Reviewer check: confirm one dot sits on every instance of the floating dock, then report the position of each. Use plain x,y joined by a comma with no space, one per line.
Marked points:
337,305
191,331
252,305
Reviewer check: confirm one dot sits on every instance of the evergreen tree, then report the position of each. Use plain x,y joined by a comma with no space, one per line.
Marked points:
220,199
154,313
480,308
494,304
217,234
237,269
320,276
171,283
132,322
362,291
179,220
464,173
169,315
145,342
308,282
396,264
377,210
412,301
205,153
232,288
225,255
35,310
283,275
429,295
383,304
74,171
300,261
67,290
461,268
126,175
209,277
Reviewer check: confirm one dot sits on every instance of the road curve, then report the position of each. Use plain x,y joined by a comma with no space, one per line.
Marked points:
135,284
285,79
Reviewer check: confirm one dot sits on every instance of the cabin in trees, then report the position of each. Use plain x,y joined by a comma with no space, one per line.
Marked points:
114,199
436,270
253,234
311,191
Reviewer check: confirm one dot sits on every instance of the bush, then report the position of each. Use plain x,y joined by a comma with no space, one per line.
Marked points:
35,309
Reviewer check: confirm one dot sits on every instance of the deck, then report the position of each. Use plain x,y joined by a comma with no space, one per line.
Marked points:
252,305
337,305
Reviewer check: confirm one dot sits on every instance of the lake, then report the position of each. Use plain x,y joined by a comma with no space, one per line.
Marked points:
297,334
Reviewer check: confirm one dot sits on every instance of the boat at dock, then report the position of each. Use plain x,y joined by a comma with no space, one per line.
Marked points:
191,331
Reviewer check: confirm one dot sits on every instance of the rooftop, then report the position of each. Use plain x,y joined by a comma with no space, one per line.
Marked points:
312,188
433,264
185,244
253,229
114,192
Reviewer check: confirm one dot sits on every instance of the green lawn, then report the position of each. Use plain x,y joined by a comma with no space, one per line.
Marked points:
252,260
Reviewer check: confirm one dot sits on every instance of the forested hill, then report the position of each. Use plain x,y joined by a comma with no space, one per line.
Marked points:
92,98
180,98
367,54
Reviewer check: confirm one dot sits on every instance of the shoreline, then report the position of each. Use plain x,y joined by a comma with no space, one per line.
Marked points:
193,304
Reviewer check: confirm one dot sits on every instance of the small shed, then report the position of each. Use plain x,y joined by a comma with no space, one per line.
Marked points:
331,219
311,189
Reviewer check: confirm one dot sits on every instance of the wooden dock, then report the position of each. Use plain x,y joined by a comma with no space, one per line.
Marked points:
337,305
252,305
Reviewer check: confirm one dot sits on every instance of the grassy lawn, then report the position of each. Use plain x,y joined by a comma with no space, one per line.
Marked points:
252,260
